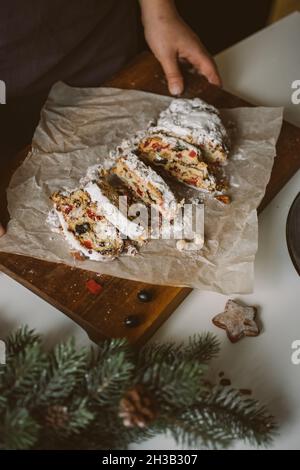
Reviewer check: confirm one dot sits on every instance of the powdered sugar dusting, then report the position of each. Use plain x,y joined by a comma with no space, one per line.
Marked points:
92,174
193,119
113,214
53,221
147,174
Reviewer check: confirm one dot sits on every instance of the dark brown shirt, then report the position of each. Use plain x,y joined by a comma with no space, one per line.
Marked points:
81,42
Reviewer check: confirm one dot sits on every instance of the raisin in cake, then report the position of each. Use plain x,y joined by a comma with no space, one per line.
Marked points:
197,123
85,228
145,183
179,159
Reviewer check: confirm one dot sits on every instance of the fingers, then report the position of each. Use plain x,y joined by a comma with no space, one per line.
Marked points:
173,74
202,62
2,231
210,71
205,65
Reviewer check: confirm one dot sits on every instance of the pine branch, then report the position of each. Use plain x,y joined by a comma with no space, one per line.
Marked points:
23,371
66,370
156,352
87,399
202,348
174,384
108,347
176,370
80,417
222,417
24,362
21,338
18,430
245,418
110,373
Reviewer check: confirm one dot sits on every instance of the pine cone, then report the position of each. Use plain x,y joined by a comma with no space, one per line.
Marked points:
137,408
57,417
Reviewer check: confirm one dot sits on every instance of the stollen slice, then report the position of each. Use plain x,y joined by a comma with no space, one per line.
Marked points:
148,186
85,228
198,123
110,201
181,160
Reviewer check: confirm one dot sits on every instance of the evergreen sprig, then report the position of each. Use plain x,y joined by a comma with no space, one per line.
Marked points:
70,398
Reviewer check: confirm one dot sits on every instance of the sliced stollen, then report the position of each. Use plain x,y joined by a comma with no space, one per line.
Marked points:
197,123
86,229
178,158
145,183
107,198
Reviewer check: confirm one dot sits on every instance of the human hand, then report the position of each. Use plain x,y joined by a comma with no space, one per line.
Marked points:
171,39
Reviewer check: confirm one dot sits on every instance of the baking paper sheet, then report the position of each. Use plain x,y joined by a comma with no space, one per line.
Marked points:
77,129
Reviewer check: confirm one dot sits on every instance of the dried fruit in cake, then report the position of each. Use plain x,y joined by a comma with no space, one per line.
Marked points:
223,198
146,184
198,123
85,228
178,158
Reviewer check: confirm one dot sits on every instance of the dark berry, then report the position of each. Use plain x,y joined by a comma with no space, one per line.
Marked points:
144,296
160,160
132,321
82,228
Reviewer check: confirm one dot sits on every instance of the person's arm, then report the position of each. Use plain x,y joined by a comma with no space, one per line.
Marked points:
171,39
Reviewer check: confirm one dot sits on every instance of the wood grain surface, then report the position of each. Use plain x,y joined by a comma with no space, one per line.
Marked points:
104,315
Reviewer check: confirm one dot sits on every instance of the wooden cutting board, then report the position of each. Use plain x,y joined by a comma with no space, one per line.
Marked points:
104,315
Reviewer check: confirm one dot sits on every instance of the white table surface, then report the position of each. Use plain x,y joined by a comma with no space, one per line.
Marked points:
260,69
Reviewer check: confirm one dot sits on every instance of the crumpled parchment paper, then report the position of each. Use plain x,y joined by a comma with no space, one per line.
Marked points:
77,129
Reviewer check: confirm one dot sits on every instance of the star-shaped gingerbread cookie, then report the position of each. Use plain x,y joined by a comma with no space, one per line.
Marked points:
237,320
